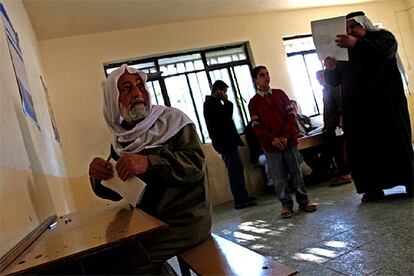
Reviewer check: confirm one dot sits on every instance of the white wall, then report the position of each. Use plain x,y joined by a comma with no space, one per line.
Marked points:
32,170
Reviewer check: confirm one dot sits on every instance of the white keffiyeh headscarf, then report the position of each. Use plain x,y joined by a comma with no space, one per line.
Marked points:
161,124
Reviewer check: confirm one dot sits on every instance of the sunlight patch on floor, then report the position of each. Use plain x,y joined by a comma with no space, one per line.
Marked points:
246,237
250,228
254,229
323,252
337,244
259,246
309,257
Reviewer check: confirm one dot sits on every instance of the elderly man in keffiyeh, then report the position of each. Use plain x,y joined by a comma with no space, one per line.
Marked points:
375,112
159,145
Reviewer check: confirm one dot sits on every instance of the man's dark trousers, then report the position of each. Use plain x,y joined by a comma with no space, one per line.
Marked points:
235,173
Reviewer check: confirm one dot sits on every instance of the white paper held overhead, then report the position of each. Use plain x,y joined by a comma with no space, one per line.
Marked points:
324,33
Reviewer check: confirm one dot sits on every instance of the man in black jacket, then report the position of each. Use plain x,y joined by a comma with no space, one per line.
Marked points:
218,112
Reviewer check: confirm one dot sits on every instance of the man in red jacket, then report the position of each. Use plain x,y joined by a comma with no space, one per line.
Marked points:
274,121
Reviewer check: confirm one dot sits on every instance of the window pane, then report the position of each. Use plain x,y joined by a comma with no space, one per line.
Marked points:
155,92
299,44
180,68
198,65
171,70
189,65
223,75
146,67
301,85
172,65
313,64
200,88
180,98
246,86
224,56
224,59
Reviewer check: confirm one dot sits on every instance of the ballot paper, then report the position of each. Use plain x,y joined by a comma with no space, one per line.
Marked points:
324,33
131,190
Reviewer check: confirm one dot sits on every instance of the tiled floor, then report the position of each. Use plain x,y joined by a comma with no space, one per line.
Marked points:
344,237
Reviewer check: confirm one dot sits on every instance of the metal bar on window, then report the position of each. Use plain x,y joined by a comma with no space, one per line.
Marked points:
238,96
195,108
301,53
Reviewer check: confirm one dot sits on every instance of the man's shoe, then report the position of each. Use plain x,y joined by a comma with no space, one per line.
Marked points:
286,212
308,207
245,205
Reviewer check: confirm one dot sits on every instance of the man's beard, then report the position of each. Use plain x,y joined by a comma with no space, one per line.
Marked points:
135,114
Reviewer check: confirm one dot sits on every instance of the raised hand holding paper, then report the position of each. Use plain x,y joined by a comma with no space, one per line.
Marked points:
324,33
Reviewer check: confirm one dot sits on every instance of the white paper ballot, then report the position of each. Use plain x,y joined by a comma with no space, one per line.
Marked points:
324,33
131,190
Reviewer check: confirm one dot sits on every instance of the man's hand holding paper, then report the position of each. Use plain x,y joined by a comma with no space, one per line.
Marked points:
130,165
345,41
130,189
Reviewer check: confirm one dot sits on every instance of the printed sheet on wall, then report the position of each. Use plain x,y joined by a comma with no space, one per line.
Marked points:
18,65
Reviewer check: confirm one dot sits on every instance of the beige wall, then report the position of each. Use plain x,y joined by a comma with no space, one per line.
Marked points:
75,72
33,177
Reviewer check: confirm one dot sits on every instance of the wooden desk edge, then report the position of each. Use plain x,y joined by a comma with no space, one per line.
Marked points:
12,267
7,259
310,141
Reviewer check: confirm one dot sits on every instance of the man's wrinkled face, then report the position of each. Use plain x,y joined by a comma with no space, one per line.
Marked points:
133,97
354,28
262,79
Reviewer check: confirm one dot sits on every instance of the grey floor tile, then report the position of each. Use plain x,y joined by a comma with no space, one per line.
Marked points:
394,246
397,268
307,266
357,262
354,238
344,237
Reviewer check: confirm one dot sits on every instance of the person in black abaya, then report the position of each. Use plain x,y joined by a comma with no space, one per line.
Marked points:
375,112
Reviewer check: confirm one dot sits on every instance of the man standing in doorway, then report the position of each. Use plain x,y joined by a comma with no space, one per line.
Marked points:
218,112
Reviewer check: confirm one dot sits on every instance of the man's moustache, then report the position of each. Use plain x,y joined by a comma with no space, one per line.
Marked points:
137,101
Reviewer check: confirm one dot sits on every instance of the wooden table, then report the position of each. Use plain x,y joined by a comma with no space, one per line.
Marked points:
310,141
218,256
79,234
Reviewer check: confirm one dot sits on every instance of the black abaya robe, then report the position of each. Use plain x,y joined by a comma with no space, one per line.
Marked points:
375,114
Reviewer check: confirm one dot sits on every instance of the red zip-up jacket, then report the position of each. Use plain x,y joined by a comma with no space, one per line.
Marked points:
273,117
